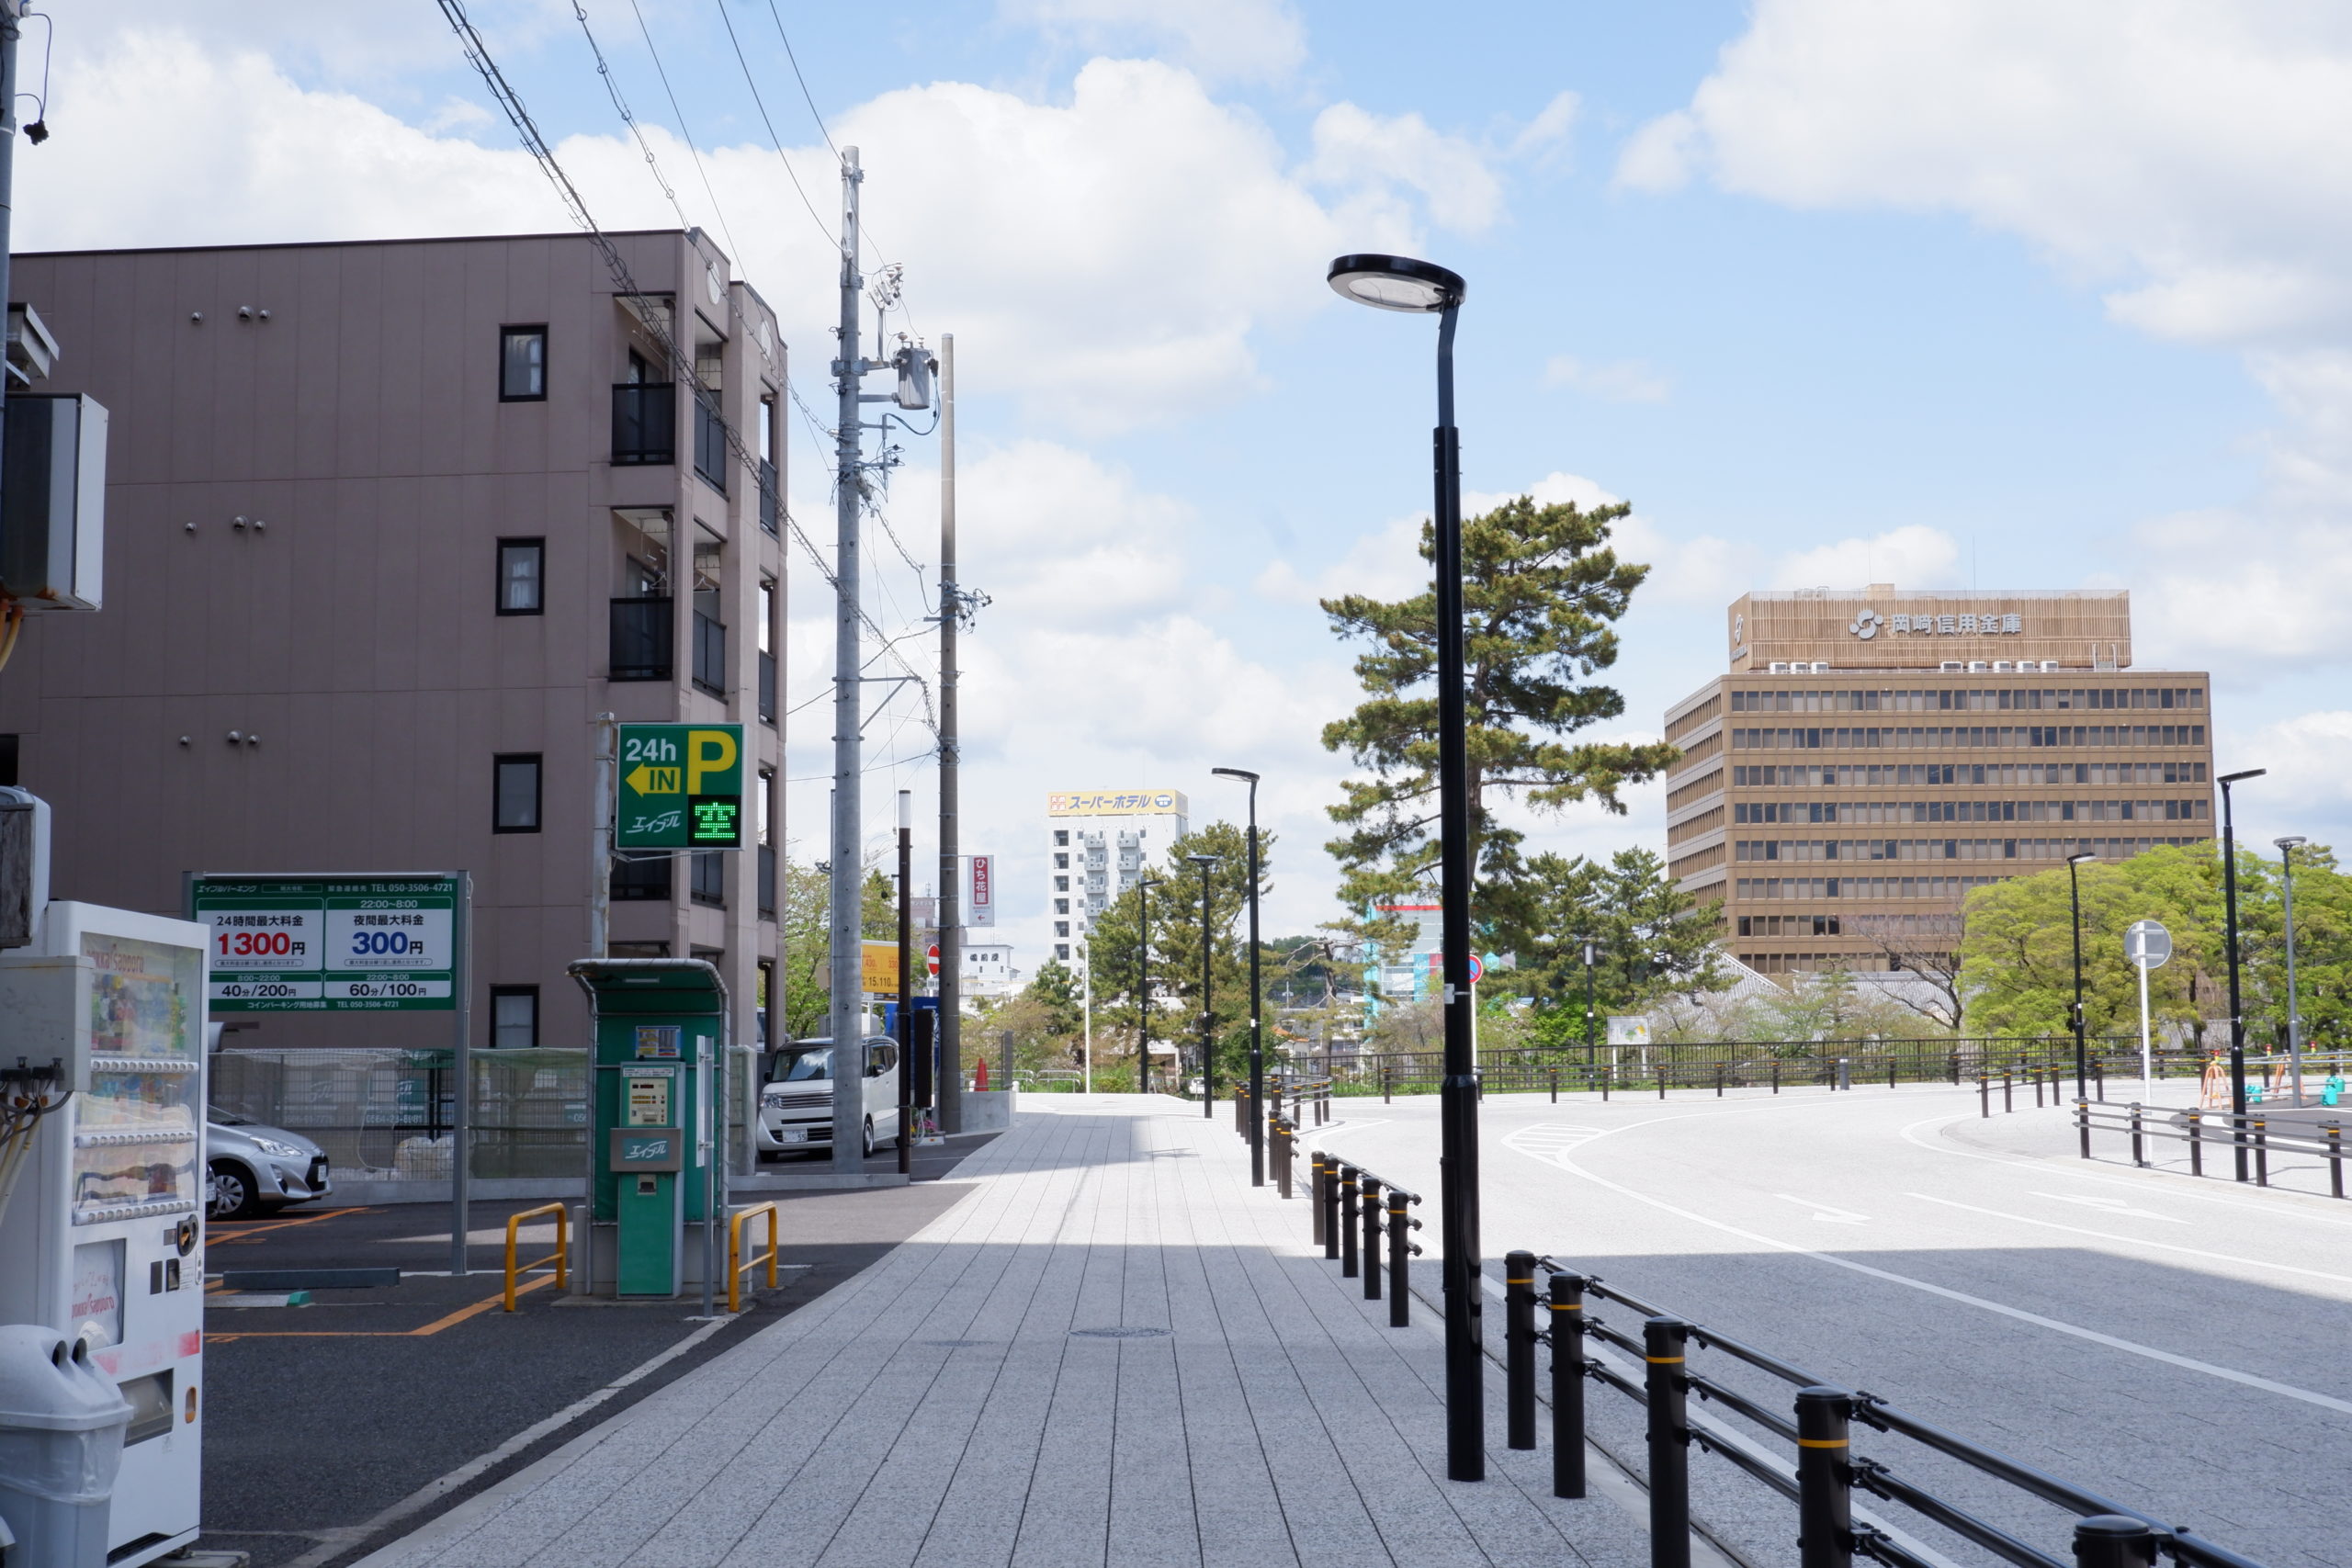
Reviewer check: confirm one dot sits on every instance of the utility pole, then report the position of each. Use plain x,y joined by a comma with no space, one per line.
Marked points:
600,853
846,1014
950,1078
11,11
906,1031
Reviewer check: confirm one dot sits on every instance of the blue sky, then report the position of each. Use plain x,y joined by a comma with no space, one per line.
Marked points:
1952,294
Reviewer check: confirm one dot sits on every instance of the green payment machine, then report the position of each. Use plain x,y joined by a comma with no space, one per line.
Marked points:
653,1140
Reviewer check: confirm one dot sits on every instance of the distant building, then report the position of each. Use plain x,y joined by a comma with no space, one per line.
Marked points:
1100,840
988,970
1411,973
1873,755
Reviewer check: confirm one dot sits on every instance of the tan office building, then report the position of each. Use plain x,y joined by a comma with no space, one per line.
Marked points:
1873,755
387,524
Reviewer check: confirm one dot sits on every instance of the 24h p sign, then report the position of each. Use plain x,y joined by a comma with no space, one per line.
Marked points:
679,787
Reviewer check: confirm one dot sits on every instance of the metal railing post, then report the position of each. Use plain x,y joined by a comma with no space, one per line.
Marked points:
1555,1085
2009,1099
1318,1177
1348,1190
2261,1152
1519,1349
1985,1095
1776,1075
2197,1142
1369,1201
2083,1124
2335,1160
1662,1342
1400,1261
1824,1480
1387,1095
1328,1205
2138,1148
2110,1540
1719,1080
1567,1384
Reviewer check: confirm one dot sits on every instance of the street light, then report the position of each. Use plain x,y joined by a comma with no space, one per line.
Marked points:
1208,1079
1143,984
1591,1019
1257,1037
2287,847
2075,896
2230,930
1401,283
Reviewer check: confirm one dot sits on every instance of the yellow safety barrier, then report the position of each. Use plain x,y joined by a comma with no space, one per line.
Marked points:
560,1257
737,1263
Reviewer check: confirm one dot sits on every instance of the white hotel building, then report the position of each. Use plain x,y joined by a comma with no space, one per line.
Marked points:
1100,840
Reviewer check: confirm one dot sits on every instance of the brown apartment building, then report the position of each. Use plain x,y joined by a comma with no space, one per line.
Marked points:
388,526
1872,756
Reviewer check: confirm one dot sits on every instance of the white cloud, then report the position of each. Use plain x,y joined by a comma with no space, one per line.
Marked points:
1619,381
2309,757
2183,155
1257,40
1543,141
1372,155
1913,556
1384,564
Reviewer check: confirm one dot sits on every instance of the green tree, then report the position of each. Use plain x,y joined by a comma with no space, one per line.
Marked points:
1175,953
1542,593
1650,940
1054,987
803,897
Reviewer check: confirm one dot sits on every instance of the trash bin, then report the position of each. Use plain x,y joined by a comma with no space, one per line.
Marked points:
61,1422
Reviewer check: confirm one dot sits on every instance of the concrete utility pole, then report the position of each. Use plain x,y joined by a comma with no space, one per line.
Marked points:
846,1014
600,852
950,1078
11,11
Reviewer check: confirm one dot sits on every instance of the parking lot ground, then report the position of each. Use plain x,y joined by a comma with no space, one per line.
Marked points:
320,1419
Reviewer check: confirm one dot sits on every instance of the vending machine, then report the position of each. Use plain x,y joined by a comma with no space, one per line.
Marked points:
103,1238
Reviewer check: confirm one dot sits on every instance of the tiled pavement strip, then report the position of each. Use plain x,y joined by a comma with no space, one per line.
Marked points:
938,1408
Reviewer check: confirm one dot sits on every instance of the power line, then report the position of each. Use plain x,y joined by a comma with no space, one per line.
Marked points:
778,140
803,81
613,91
685,134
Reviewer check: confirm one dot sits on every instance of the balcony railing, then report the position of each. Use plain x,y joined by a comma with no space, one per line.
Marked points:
636,879
645,423
642,641
710,442
706,881
767,688
770,497
710,655
767,881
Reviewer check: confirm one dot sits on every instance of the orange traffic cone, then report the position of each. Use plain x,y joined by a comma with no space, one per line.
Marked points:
980,1076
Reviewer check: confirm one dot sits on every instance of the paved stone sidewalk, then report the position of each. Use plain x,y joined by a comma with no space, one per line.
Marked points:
1113,1351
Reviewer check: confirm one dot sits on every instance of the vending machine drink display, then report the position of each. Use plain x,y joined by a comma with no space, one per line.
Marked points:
103,1238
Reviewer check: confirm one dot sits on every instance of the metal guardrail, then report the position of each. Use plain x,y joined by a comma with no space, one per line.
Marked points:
2250,1137
1354,1212
737,1264
1823,1473
560,1257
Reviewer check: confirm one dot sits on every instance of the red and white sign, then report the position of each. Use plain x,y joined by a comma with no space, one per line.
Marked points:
931,958
979,890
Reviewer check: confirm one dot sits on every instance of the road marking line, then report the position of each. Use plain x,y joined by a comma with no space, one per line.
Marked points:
2137,1241
436,1326
249,1229
2189,1363
2120,1206
1824,1212
2070,1169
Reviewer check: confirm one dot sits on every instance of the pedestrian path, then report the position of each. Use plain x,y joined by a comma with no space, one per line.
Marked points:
1112,1351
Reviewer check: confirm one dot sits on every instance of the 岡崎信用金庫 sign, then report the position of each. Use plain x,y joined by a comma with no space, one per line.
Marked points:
329,943
680,786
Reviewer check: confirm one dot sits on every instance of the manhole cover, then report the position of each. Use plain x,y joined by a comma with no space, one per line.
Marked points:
1119,1333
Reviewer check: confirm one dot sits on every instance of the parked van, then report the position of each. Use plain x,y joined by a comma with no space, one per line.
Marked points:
797,1101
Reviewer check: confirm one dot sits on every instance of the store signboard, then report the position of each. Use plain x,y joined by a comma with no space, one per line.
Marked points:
680,786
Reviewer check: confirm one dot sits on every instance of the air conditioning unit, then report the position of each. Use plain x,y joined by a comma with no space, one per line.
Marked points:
1821,667
1779,667
1978,667
53,501
1950,667
2002,666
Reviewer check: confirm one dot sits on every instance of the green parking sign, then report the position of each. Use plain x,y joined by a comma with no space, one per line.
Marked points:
679,787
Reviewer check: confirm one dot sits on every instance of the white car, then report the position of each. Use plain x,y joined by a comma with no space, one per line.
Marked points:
797,1101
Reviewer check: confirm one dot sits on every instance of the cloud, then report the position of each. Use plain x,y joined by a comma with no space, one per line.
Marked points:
1913,556
1619,381
1384,564
1372,156
1251,41
1543,141
2183,156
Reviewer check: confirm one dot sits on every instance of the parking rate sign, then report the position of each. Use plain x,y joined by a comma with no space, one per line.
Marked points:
679,787
329,943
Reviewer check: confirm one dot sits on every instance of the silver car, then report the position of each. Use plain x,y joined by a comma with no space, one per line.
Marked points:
256,1169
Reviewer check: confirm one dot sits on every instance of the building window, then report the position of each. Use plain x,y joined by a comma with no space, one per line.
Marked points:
1061,837
521,573
1061,951
514,1017
767,649
1061,928
638,881
707,878
1061,906
523,364
639,949
1061,883
515,806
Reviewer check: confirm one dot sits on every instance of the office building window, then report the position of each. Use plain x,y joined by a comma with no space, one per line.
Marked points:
1061,906
514,1017
639,949
522,572
641,881
1061,837
707,878
515,789
1061,928
522,365
1061,951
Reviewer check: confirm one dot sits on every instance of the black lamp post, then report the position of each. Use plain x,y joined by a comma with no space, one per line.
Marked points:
2074,897
1143,984
1257,1036
1591,1019
1209,1071
1400,283
2230,929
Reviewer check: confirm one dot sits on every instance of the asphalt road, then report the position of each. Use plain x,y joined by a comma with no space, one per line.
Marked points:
320,1418
2179,1346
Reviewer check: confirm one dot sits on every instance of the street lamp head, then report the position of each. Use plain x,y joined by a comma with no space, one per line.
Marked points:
2083,859
2227,779
1204,862
1244,774
2292,841
1397,283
